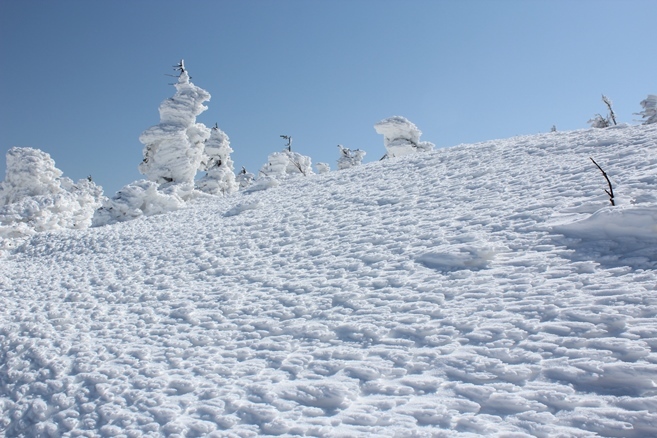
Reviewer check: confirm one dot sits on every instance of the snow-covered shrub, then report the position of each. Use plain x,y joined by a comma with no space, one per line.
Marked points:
323,168
401,137
35,197
349,158
173,149
142,198
220,176
649,113
281,164
244,178
599,122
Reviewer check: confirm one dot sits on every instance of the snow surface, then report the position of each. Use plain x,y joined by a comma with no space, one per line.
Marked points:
484,289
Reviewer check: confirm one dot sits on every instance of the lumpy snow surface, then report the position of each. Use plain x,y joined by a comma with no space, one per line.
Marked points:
485,289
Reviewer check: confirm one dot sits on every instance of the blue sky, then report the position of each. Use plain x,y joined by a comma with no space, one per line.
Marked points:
82,79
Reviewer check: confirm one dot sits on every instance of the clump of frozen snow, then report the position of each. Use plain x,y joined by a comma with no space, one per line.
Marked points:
142,198
220,176
173,149
401,137
350,158
34,196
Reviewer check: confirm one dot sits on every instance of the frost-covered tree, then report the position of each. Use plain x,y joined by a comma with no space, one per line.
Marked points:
322,168
601,122
649,113
220,176
286,162
349,158
173,149
244,178
34,196
401,137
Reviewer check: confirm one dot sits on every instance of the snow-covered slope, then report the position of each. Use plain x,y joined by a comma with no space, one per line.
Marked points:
482,289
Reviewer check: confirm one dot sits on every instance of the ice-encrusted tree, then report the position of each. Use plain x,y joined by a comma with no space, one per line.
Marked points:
244,178
286,162
173,149
216,161
598,121
350,158
34,196
401,137
649,113
322,168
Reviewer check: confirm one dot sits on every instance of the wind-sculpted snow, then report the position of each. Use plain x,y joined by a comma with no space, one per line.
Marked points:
35,197
428,295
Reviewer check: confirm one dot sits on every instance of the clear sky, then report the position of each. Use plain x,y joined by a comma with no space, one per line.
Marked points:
82,79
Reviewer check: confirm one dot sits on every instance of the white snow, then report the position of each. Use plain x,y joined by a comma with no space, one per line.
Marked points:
220,176
173,149
401,137
484,289
35,197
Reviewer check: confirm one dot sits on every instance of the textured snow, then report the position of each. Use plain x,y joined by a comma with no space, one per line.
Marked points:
484,289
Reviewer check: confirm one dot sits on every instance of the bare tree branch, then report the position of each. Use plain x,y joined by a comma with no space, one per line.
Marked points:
609,192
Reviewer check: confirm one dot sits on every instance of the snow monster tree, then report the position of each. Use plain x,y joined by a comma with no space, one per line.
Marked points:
401,137
173,149
220,176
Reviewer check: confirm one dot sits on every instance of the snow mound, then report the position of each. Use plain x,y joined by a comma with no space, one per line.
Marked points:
621,235
34,197
262,183
464,257
615,223
141,198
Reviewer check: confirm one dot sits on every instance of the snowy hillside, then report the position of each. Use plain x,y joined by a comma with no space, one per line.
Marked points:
484,289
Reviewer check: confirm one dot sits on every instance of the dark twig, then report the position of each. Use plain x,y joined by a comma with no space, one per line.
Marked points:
609,192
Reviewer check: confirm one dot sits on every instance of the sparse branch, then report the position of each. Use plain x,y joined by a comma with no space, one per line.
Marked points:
607,102
609,192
